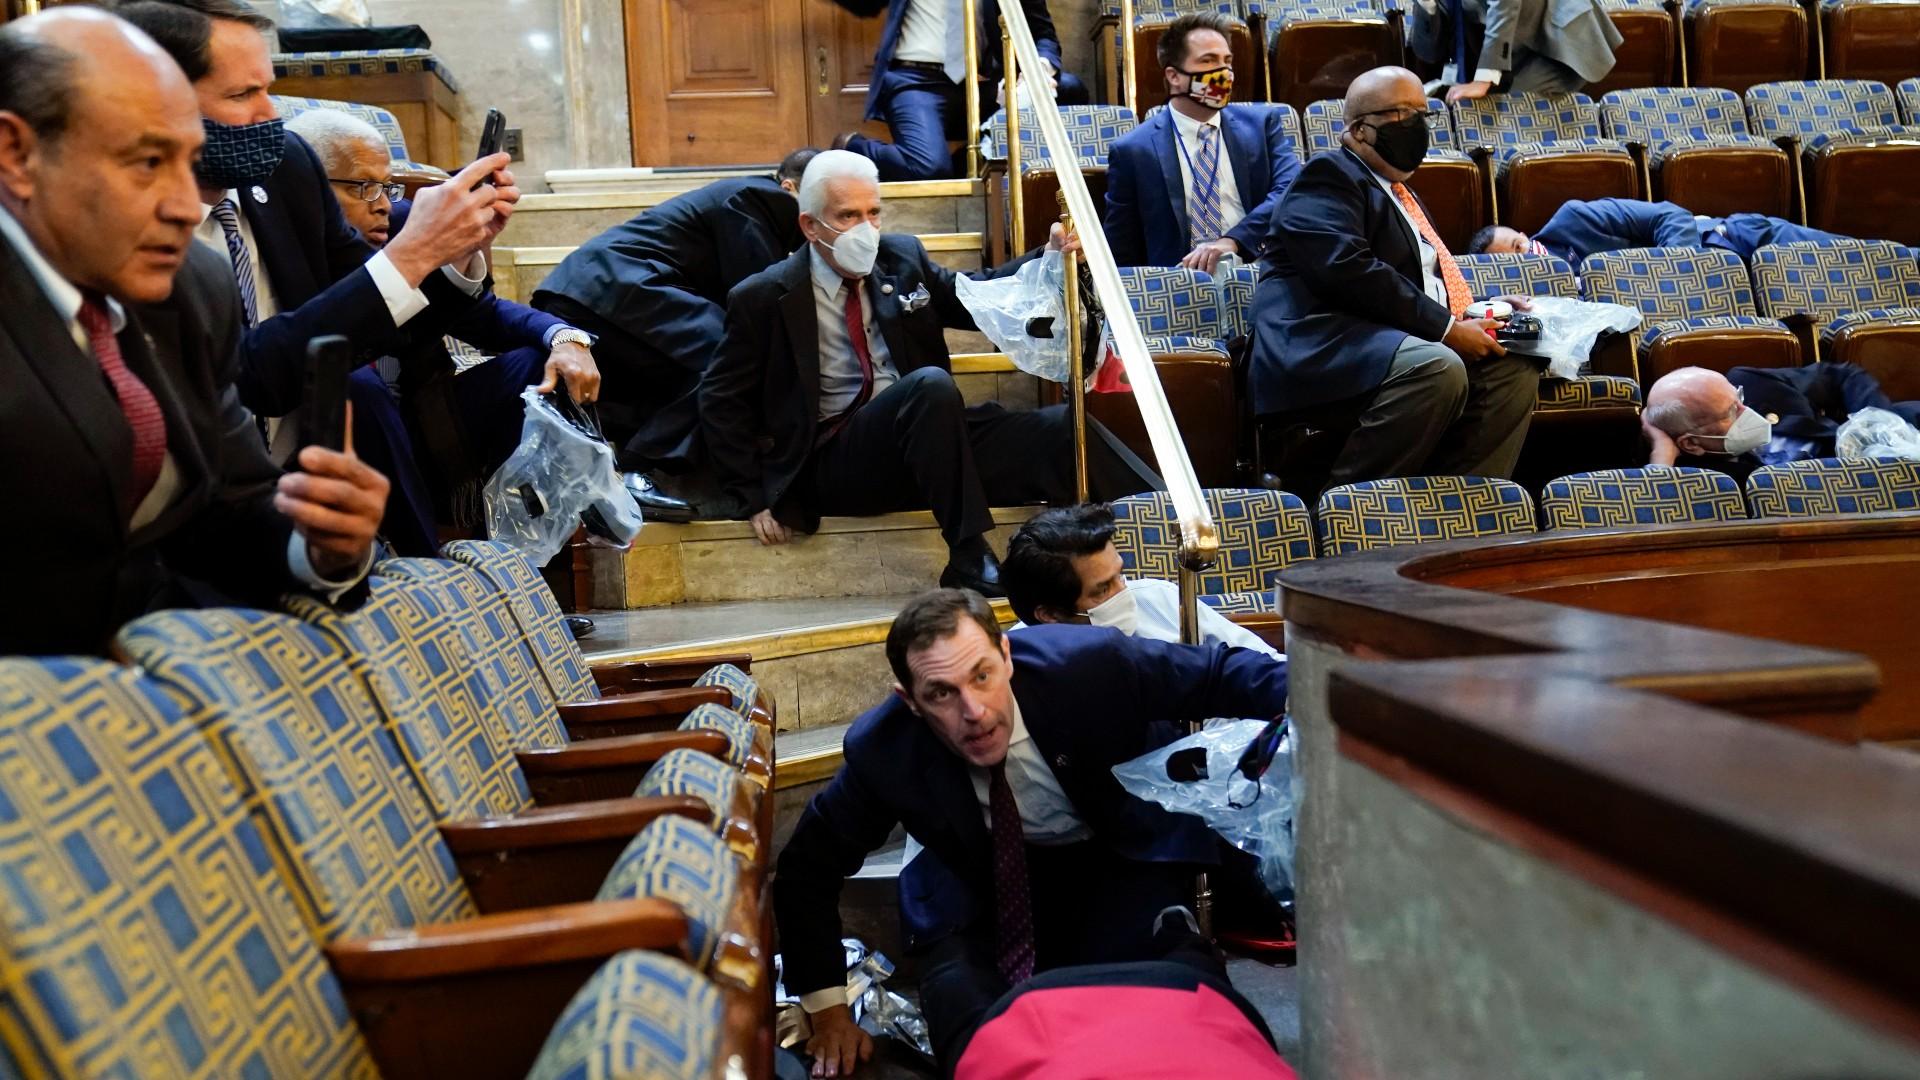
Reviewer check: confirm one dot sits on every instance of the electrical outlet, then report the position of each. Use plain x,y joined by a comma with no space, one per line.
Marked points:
511,143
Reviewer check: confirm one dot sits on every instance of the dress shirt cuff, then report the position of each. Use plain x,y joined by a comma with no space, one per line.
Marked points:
403,300
470,279
557,329
1488,75
822,1000
329,589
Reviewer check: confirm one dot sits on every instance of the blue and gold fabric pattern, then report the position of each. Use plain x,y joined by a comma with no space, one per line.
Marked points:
1261,533
1828,486
684,862
1622,498
1418,510
746,692
533,607
642,1016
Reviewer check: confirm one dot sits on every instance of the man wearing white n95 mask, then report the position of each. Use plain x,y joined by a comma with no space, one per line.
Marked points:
1062,567
1699,418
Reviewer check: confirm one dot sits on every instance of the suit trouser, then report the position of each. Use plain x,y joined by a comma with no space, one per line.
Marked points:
923,110
1090,906
1743,234
649,401
917,445
1436,415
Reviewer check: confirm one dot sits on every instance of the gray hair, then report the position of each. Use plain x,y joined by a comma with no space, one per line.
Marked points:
334,134
828,166
36,79
1677,401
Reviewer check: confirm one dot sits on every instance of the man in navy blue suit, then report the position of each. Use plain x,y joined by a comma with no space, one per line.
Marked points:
1197,181
1583,226
1361,303
917,76
996,752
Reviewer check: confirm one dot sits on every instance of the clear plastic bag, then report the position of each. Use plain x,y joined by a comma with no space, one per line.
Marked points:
1253,813
1876,433
560,476
304,14
1023,313
875,1008
1568,329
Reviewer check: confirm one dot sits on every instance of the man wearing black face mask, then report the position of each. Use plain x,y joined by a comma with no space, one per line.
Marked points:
1362,303
302,271
1198,181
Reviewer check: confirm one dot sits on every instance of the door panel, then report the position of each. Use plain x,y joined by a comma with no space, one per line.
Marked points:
714,82
840,48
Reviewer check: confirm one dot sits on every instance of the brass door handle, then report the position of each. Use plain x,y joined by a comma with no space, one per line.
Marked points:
820,56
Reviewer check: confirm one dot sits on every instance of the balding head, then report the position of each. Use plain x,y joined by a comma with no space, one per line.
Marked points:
1689,402
1378,98
1383,88
101,180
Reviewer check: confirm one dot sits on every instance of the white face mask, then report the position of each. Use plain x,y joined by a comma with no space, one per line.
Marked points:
1750,431
855,249
1121,611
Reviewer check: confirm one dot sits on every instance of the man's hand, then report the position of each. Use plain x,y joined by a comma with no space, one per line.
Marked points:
1665,451
1473,338
573,362
1469,90
336,502
1207,256
838,1045
1520,303
453,220
1058,239
770,532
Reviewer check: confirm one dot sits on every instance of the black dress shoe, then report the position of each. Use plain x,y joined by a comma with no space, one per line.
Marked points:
579,626
655,504
979,572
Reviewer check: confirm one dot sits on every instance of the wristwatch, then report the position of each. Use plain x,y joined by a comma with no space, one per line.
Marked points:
568,335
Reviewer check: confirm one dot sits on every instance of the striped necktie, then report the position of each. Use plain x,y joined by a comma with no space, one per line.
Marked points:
228,215
1208,225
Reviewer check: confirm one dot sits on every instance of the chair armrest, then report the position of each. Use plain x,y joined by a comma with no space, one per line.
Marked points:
1268,626
663,674
553,855
606,768
638,712
515,939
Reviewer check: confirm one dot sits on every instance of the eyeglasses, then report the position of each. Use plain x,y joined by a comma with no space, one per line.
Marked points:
1395,115
371,190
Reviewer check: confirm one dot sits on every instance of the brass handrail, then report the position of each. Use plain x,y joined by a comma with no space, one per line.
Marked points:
970,37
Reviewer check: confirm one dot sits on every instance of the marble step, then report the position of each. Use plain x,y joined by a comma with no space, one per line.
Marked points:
712,561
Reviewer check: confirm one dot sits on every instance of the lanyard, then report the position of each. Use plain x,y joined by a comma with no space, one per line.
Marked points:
1192,169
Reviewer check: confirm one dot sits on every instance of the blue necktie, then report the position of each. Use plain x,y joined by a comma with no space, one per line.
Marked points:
1207,223
228,215
955,62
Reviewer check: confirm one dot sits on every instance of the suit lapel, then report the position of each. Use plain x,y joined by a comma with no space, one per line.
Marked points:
1167,151
277,253
887,290
148,338
803,325
1366,177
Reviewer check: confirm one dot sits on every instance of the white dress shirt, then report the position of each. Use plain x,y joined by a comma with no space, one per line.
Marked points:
1430,280
839,368
923,33
1158,603
66,300
1186,134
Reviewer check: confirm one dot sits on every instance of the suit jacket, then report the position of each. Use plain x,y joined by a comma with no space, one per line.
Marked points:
78,572
1810,403
1576,33
663,277
1046,40
760,400
491,324
316,263
1340,291
1091,698
1147,222
1583,226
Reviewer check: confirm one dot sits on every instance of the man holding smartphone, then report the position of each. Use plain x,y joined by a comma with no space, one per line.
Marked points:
132,477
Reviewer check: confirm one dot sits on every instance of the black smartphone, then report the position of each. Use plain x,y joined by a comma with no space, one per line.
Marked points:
323,418
493,135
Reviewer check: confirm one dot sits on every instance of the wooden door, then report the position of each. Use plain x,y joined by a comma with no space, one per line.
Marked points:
716,82
840,48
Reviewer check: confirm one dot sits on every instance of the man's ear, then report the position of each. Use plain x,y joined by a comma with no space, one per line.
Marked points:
20,150
1047,613
901,693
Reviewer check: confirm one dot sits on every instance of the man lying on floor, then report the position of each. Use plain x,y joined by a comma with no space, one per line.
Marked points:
996,752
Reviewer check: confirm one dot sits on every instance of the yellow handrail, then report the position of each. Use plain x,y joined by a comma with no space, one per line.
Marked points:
970,37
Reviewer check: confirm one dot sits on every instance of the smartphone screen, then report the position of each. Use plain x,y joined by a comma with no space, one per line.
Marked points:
324,412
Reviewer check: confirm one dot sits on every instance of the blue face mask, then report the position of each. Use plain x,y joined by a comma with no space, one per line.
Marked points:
238,155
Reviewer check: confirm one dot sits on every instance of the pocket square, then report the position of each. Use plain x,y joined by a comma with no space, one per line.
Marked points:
916,299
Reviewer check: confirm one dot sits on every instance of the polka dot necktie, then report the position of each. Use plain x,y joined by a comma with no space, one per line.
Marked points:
1014,951
1458,295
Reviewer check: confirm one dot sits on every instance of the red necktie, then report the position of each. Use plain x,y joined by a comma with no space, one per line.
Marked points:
1014,951
142,410
857,337
1458,295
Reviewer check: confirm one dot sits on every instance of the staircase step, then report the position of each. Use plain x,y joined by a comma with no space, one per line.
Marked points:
888,554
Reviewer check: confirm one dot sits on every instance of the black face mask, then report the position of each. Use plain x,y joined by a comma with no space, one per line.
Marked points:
1403,143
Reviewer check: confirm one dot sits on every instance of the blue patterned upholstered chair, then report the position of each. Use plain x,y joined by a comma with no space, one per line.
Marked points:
1856,157
380,119
1734,44
680,862
1909,94
643,1016
1419,509
1859,299
1622,498
1179,313
742,815
565,668
1261,533
1448,182
1150,19
1316,47
1829,486
1236,301
1541,150
1289,121
1547,275
145,929
1699,309
1870,39
1646,55
1697,151
1091,129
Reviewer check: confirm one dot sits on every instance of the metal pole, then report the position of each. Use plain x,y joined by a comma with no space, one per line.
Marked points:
1190,635
1128,77
971,40
1076,365
1016,199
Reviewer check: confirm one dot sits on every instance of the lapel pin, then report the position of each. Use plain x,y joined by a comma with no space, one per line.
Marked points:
886,288
259,194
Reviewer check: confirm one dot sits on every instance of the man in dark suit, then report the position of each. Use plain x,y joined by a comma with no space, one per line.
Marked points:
1198,181
1748,417
832,392
654,291
918,74
1583,226
301,269
996,752
1361,303
132,476
1540,46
